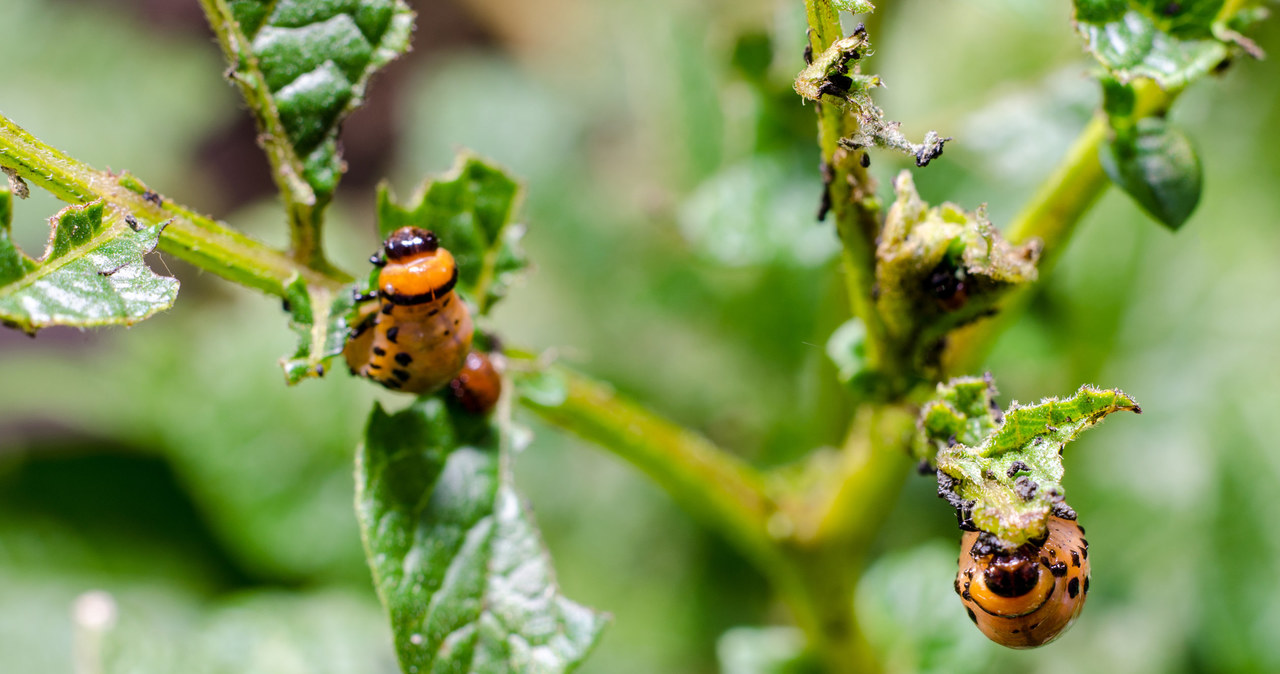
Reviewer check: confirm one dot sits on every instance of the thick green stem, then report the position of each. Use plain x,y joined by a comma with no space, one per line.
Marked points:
1050,216
188,235
852,194
722,490
304,209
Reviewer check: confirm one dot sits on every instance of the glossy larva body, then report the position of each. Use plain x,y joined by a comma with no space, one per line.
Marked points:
419,338
1028,597
478,385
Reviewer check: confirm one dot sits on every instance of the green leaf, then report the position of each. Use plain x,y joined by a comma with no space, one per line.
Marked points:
854,6
303,66
92,272
320,317
940,267
834,77
963,410
455,555
470,209
1156,164
765,650
1172,43
1009,483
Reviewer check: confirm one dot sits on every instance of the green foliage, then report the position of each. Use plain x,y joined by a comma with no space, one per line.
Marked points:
1003,472
765,650
1172,43
455,554
854,6
1155,164
470,208
92,272
940,267
304,66
320,318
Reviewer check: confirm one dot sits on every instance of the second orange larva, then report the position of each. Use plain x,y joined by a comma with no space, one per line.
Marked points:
420,337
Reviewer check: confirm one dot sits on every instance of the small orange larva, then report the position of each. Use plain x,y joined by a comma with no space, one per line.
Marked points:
478,386
419,338
1030,596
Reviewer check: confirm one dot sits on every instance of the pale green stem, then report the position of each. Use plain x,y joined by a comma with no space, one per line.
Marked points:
188,235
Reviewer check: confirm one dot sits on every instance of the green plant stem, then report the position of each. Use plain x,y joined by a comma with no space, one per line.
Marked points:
304,209
852,192
722,490
188,235
1051,216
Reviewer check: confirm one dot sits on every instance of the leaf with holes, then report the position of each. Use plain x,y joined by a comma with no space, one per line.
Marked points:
1003,473
470,209
92,272
455,554
320,318
303,66
1173,43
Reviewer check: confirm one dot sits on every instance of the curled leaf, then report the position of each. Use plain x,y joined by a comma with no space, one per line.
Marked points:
1010,481
319,315
940,267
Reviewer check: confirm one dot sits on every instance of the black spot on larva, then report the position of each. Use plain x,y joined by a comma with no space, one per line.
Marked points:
1084,551
379,351
392,333
1025,488
404,358
456,322
1017,631
1075,558
1058,569
972,617
965,594
388,307
956,584
1016,467
389,383
1086,585
375,366
400,374
446,301
433,312
1073,588
446,333
1081,528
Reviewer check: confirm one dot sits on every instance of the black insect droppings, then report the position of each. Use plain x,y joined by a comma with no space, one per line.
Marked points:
132,222
1016,467
153,198
1025,488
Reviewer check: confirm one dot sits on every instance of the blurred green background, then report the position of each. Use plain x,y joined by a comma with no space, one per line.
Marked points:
672,184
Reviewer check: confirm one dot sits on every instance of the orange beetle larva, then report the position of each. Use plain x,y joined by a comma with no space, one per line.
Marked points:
419,339
1030,596
478,386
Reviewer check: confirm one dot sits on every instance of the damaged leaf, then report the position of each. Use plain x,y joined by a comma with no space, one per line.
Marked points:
1009,481
834,77
319,316
940,267
92,272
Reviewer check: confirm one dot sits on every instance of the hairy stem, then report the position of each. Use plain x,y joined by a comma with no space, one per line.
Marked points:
188,236
305,210
1050,216
723,491
852,193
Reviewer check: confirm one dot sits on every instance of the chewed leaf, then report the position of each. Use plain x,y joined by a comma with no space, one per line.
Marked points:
470,209
1009,483
312,62
320,317
834,77
1172,43
964,411
940,267
92,272
455,554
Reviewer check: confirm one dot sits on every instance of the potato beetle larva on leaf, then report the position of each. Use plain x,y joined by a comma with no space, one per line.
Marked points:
1029,596
419,338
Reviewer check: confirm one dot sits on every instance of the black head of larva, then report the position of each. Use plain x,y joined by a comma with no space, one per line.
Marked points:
407,242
